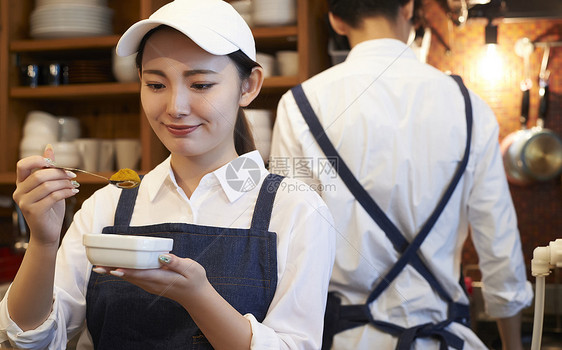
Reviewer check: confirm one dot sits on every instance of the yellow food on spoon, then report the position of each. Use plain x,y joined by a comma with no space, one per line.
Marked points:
125,176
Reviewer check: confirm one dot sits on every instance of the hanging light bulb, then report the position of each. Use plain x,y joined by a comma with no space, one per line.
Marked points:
491,34
491,66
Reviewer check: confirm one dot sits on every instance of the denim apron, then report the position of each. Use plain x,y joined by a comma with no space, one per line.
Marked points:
339,318
241,264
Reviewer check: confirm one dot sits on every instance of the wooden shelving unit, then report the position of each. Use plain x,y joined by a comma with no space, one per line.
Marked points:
111,109
65,92
68,44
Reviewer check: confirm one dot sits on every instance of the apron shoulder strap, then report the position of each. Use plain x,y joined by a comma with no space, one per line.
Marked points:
409,251
371,207
264,203
260,218
125,206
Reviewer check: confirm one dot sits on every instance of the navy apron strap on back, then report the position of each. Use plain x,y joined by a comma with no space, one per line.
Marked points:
399,242
361,195
426,229
456,311
126,206
393,234
264,203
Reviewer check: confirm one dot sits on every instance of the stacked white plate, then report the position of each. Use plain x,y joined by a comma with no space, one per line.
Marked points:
70,18
274,12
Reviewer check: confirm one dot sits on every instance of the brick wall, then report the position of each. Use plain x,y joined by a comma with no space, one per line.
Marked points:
497,79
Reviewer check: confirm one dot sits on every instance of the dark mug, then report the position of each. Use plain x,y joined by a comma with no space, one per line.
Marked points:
56,74
30,75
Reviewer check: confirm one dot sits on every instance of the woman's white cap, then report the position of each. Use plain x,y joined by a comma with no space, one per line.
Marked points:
214,25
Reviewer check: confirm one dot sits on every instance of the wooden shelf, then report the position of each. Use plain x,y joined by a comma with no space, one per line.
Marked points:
264,33
75,90
261,34
115,89
276,85
104,108
280,81
67,44
8,178
274,39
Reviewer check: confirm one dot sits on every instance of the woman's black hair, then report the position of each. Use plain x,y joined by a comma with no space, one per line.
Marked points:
243,138
352,12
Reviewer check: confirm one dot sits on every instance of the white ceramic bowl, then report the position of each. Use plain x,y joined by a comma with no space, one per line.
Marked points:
288,62
66,154
274,12
69,128
39,123
31,145
267,62
261,123
259,118
124,68
40,3
127,251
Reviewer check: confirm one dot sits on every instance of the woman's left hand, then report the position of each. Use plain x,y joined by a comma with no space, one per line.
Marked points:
177,279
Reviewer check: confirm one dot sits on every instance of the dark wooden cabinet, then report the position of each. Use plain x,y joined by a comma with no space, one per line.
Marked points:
112,109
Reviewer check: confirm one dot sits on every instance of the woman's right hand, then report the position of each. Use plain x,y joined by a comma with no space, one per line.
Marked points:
40,194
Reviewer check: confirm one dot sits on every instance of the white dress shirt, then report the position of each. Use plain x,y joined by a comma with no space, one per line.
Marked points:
400,127
305,255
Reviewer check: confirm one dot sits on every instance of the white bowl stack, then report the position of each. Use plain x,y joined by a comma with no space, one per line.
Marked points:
268,64
287,62
124,68
274,12
40,129
66,154
70,18
69,128
261,123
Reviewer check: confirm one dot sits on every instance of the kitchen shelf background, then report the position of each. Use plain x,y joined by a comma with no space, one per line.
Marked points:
112,109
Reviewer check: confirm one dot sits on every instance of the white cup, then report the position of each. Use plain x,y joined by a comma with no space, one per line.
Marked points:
267,62
288,62
260,121
274,12
107,156
124,68
128,153
41,124
69,128
66,154
33,146
89,150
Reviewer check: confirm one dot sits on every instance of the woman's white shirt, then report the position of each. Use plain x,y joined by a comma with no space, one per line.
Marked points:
305,254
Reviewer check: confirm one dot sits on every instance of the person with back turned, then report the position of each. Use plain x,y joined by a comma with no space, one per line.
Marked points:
407,159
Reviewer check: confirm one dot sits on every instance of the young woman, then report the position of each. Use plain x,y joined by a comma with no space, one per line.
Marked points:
252,252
